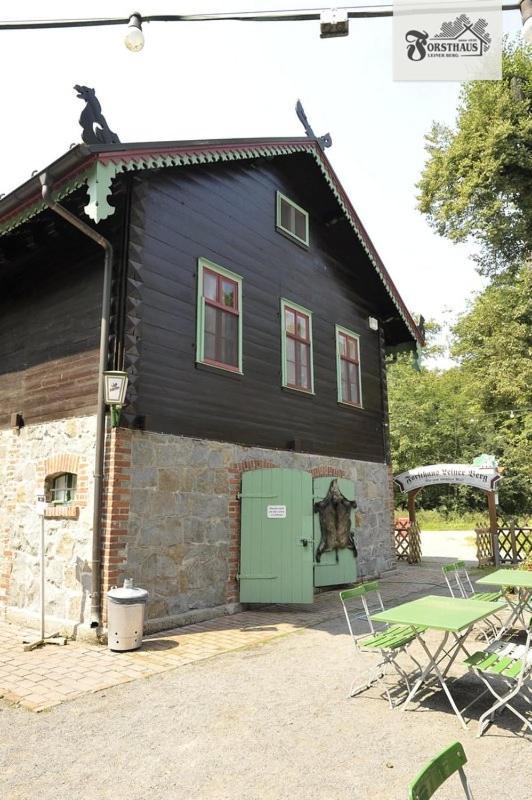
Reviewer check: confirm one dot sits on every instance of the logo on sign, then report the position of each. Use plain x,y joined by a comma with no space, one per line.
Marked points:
455,39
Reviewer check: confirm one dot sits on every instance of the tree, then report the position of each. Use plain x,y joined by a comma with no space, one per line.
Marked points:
476,183
482,404
493,346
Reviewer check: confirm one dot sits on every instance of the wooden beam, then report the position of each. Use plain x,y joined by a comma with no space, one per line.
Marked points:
412,505
492,508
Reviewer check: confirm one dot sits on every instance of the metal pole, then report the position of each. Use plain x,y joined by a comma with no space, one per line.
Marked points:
43,602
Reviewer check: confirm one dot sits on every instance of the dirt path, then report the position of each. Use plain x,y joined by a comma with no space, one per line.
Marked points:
271,721
449,545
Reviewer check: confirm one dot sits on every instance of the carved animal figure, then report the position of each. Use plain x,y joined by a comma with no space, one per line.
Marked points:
335,522
95,129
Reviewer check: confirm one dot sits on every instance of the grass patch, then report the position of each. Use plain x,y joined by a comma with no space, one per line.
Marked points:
436,521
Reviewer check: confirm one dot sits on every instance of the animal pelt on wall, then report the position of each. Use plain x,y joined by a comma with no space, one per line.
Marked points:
335,522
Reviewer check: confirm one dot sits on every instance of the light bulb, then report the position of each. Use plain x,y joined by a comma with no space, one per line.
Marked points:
134,39
526,31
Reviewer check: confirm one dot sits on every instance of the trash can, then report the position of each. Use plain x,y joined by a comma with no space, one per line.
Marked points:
125,616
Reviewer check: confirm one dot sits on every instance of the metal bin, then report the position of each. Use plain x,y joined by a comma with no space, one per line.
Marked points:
125,612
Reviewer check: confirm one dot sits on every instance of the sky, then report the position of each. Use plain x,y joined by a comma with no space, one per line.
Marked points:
212,80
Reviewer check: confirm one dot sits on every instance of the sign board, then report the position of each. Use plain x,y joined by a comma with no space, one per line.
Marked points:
276,512
40,504
485,478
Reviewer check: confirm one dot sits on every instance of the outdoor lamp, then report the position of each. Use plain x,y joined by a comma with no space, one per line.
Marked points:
526,16
134,39
115,387
334,23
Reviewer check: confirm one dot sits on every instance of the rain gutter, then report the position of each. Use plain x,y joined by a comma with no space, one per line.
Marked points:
95,621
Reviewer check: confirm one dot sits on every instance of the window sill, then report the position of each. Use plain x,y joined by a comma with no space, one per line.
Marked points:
350,405
61,512
228,373
304,245
300,392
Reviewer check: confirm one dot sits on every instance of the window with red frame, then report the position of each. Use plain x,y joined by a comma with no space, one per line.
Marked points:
349,368
298,349
221,339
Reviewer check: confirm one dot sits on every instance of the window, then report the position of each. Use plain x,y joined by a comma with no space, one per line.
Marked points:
296,347
63,488
348,367
292,219
219,331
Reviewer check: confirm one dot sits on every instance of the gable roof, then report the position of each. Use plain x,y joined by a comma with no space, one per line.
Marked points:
97,166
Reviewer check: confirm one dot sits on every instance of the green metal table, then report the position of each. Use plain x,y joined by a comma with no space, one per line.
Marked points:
522,580
455,617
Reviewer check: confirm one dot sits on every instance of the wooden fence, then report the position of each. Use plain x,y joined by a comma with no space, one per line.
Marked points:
407,541
511,545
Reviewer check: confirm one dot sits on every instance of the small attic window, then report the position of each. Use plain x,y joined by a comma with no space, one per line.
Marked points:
292,220
62,488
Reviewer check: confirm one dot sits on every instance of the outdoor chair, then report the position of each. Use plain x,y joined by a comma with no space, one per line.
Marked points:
437,771
459,584
510,664
388,642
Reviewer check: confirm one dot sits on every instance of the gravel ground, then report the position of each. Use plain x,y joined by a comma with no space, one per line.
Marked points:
269,722
449,545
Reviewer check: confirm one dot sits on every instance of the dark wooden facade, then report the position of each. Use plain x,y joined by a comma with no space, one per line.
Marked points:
166,219
50,308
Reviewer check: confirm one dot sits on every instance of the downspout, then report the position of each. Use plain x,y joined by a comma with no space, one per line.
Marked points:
100,413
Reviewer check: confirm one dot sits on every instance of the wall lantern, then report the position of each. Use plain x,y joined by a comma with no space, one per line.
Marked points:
115,387
333,22
373,323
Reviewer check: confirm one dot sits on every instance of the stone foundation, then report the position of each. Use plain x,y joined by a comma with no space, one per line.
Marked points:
183,531
170,519
27,458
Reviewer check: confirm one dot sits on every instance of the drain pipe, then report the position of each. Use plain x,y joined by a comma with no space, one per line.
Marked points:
100,413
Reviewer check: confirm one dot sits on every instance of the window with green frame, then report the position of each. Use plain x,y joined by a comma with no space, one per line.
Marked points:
296,347
219,317
348,367
291,219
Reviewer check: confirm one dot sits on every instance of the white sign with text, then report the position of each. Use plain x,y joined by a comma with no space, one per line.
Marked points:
458,40
276,512
485,478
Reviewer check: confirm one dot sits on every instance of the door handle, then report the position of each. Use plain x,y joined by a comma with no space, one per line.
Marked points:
304,542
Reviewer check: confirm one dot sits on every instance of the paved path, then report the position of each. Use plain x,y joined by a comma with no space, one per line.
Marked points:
449,545
269,721
45,677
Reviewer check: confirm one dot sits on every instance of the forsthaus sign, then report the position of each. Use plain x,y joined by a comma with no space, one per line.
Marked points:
485,478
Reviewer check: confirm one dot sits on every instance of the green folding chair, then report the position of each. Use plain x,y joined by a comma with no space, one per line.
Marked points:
508,664
459,584
388,642
437,771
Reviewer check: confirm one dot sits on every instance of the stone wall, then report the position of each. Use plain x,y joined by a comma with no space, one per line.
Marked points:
26,459
183,532
170,519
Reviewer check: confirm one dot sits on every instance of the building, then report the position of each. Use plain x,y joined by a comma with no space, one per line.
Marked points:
252,314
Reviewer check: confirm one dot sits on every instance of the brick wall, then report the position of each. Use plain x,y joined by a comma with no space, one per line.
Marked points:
115,510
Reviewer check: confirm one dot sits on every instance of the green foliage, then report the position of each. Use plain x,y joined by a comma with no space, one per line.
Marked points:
476,183
482,404
493,342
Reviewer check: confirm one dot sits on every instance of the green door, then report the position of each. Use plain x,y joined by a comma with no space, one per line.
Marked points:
276,553
328,572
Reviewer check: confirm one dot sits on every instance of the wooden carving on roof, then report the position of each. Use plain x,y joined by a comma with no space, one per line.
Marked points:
323,141
95,129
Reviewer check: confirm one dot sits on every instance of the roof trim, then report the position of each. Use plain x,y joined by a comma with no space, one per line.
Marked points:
98,165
